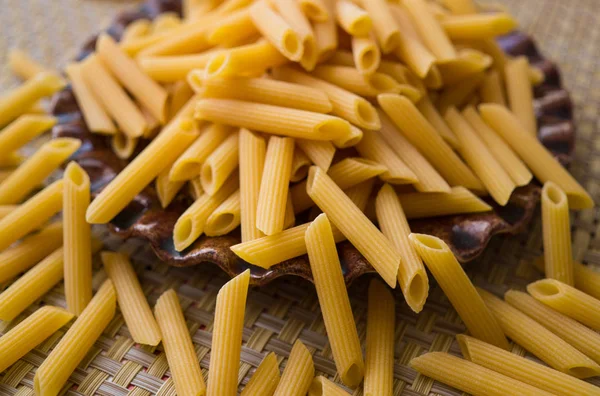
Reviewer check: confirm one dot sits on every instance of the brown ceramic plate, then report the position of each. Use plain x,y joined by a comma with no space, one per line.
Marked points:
467,235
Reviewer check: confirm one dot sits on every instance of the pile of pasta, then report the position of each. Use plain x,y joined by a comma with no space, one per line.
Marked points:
363,113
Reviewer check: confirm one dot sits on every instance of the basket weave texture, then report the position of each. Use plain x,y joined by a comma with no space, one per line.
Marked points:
568,32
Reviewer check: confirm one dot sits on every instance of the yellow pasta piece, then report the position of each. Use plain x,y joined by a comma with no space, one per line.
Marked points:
430,31
19,100
177,342
403,75
468,63
277,31
272,119
543,165
586,279
558,257
480,159
350,140
31,214
478,26
6,209
136,29
185,39
77,341
23,65
535,338
11,160
355,226
334,302
459,93
265,379
491,89
270,211
320,152
94,114
379,362
176,67
460,7
469,377
458,201
165,21
366,54
437,122
122,145
261,90
181,94
252,159
298,373
316,10
423,136
220,164
520,93
170,143
22,130
326,35
321,386
349,78
225,218
113,98
227,336
353,19
248,59
130,296
166,189
373,147
501,151
300,165
384,24
195,188
457,286
360,195
292,13
36,169
190,225
29,333
233,28
581,337
522,369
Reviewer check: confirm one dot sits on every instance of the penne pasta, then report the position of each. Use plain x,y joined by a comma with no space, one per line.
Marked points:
270,210
251,59
460,7
459,200
252,159
176,67
36,169
165,188
292,13
478,26
349,78
353,19
11,160
225,218
359,195
56,369
181,94
298,373
123,146
220,164
334,302
6,209
522,369
21,64
520,93
366,54
384,25
177,342
326,35
25,336
316,10
470,62
379,362
136,29
170,143
322,386
430,31
457,286
184,39
233,28
470,377
277,31
195,188
132,301
300,165
535,338
492,89
436,120
227,336
265,379
319,152
21,131
542,164
458,95
586,279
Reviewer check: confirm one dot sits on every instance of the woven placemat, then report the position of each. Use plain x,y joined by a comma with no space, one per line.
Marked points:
287,309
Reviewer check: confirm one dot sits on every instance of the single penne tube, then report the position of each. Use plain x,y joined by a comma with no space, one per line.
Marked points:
457,286
430,31
542,164
276,30
190,225
478,26
181,93
136,29
96,118
520,93
436,120
366,54
292,13
262,90
77,239
586,279
122,145
316,10
31,214
225,218
353,19
354,225
360,195
429,180
412,276
374,147
56,369
402,74
21,64
17,101
349,78
535,338
568,301
252,154
320,152
522,369
384,25
166,189
184,39
177,342
170,143
220,164
132,301
175,67
244,60
468,63
492,89
379,361
424,137
476,154
460,7
298,373
272,119
326,34
322,386
23,130
346,104
581,337
265,379
36,169
458,94
113,98
274,187
458,201
334,302
470,377
300,165
556,227
232,28
25,336
501,151
227,331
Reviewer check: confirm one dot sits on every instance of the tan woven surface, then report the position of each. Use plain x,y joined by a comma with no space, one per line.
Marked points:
568,32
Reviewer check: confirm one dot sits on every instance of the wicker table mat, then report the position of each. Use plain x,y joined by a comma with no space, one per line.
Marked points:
568,32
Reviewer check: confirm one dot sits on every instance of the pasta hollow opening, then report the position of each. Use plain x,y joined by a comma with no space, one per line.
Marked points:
189,167
353,375
361,26
207,175
300,172
554,194
311,10
333,127
183,229
428,241
582,372
223,221
545,289
76,175
464,346
366,112
62,144
291,43
382,83
368,58
216,65
417,288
